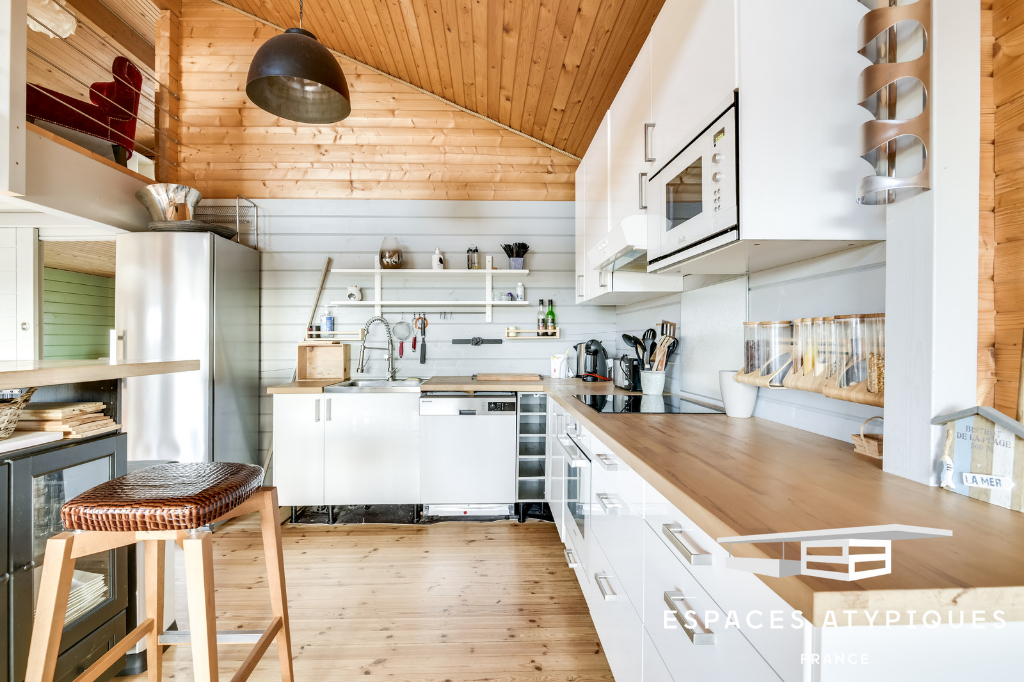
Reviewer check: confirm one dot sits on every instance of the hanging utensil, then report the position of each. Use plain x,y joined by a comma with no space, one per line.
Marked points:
402,331
633,343
421,322
648,340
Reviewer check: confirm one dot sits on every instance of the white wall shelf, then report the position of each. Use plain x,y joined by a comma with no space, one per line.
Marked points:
379,303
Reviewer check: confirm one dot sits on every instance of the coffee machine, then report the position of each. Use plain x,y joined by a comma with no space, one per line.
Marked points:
592,361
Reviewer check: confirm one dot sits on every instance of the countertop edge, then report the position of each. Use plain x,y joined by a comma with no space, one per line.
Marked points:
96,371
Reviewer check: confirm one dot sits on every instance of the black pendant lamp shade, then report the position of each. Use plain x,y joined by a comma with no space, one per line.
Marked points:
295,77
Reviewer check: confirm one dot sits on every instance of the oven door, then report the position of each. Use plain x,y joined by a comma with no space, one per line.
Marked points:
577,497
695,194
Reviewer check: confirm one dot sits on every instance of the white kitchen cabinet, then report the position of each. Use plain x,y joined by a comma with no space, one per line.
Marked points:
615,618
596,180
617,521
299,449
694,68
580,206
554,478
371,448
729,657
629,113
655,669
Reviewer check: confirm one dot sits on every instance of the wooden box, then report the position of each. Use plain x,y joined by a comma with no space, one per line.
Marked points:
984,456
323,361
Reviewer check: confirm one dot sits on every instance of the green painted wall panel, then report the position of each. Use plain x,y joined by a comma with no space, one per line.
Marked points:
78,314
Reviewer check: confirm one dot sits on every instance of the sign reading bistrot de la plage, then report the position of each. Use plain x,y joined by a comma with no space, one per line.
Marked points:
984,456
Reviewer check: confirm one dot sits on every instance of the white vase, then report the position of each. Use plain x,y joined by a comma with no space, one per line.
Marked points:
739,398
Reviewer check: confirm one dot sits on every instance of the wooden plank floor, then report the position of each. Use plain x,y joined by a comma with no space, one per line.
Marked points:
449,602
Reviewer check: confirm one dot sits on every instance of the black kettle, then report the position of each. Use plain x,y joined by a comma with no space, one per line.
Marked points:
595,365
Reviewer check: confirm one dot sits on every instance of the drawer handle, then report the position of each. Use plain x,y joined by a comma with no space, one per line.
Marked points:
316,410
609,594
699,634
673,531
574,461
607,501
570,558
607,462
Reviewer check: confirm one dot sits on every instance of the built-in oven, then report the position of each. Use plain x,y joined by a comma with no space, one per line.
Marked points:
577,491
693,200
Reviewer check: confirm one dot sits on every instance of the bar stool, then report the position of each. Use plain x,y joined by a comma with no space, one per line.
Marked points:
153,505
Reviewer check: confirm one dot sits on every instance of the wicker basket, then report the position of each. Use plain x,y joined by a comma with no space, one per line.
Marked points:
869,444
10,411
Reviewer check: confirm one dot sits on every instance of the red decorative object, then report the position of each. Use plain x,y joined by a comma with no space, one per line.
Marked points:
114,104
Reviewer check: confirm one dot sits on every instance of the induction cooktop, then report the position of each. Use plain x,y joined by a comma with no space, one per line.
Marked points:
645,404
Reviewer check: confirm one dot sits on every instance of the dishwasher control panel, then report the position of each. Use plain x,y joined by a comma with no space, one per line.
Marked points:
501,406
467,405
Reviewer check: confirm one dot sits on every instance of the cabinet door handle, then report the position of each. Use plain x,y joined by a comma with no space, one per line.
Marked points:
579,285
600,279
4,578
570,558
607,463
699,634
673,531
316,410
604,579
328,410
27,567
643,191
648,154
607,502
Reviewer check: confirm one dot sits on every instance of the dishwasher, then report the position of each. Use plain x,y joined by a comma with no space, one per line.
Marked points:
468,454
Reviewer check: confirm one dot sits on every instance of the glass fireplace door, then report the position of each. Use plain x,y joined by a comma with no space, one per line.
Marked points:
41,485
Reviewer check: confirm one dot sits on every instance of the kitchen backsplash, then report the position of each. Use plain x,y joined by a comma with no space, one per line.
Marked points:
296,235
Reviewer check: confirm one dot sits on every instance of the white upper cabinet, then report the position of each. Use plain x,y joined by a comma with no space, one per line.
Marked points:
581,230
693,65
799,123
629,113
596,186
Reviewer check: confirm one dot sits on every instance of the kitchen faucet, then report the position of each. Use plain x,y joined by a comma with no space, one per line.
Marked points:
390,349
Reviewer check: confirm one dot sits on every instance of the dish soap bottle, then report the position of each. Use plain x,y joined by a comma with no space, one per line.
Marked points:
520,292
437,260
327,322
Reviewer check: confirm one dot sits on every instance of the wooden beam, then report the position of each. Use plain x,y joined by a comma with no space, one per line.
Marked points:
173,6
116,28
168,78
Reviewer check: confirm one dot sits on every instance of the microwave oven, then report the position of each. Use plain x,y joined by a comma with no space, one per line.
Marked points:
693,204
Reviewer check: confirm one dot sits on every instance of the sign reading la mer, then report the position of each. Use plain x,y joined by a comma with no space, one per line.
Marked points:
984,456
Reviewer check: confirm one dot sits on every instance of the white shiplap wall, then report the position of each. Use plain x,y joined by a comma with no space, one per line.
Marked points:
296,235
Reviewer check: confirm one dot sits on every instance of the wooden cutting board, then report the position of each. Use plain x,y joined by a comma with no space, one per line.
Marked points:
507,377
57,411
63,425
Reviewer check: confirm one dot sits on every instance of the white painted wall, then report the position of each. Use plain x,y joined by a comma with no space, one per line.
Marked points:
296,235
711,330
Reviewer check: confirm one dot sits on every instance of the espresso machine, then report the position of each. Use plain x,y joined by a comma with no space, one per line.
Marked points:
592,361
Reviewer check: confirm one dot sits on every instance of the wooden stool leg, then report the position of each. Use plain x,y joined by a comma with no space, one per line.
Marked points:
201,608
54,588
271,527
155,550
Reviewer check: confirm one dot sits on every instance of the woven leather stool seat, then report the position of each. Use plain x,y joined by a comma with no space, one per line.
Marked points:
164,497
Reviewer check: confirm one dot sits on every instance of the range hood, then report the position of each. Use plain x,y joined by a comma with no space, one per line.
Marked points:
625,247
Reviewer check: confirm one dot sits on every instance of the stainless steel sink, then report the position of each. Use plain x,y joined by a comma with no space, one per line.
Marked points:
375,386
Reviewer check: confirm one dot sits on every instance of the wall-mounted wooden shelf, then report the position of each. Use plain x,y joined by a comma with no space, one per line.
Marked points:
519,334
379,303
827,386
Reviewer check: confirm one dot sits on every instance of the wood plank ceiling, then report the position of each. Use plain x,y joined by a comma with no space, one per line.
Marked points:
548,68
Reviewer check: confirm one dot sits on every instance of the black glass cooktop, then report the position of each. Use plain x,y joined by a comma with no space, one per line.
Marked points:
645,404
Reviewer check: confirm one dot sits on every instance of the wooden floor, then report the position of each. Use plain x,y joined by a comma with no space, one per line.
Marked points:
449,602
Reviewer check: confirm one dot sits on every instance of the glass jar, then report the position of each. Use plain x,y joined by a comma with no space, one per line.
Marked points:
798,343
750,354
805,346
822,334
851,350
875,333
390,256
776,339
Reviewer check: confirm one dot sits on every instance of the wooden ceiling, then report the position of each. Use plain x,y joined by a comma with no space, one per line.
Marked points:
547,68
90,258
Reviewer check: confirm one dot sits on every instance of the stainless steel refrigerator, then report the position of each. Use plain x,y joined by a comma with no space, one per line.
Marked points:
179,296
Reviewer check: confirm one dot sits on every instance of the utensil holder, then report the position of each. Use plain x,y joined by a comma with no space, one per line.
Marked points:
515,263
652,383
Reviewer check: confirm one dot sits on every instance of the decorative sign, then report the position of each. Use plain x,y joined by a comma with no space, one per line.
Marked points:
984,456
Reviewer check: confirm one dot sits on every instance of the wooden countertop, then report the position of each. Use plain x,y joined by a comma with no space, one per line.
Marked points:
752,476
306,386
25,373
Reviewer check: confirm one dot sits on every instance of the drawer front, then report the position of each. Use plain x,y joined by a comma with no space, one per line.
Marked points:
766,620
625,482
717,652
655,669
619,530
615,618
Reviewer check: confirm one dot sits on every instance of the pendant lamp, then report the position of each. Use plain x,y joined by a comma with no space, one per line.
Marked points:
295,77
